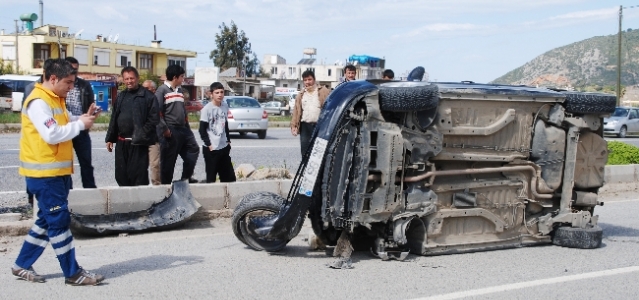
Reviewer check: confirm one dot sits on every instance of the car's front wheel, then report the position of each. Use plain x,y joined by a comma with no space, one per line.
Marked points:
256,205
623,131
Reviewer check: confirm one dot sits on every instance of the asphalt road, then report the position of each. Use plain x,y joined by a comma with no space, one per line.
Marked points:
280,149
206,261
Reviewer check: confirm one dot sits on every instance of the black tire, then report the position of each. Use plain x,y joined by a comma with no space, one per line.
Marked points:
255,205
623,131
590,103
403,99
242,133
261,134
582,238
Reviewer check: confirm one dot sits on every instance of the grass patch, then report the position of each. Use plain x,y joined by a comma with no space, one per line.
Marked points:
622,153
10,117
279,118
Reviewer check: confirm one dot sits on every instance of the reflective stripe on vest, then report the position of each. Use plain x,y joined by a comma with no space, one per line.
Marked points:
47,166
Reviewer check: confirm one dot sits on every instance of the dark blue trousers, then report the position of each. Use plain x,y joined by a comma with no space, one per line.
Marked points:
51,226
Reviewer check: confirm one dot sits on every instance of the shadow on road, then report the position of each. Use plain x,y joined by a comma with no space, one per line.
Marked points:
149,263
610,230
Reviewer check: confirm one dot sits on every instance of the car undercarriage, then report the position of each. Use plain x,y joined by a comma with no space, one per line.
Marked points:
399,167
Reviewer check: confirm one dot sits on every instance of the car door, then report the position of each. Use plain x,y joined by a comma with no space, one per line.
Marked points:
633,121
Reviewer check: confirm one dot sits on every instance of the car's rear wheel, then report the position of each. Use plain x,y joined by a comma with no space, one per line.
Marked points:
261,134
623,132
582,238
589,103
404,99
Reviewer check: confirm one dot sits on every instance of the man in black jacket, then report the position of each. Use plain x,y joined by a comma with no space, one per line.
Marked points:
78,101
132,129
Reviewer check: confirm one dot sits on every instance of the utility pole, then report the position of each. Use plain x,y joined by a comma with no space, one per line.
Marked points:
619,58
17,64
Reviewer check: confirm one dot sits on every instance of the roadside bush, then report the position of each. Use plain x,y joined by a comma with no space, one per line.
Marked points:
622,153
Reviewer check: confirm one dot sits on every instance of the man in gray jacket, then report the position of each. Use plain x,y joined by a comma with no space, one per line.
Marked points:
177,137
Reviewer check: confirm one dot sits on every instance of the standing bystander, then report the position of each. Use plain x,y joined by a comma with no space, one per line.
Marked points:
308,105
154,150
177,137
349,74
78,100
388,74
46,160
214,131
132,130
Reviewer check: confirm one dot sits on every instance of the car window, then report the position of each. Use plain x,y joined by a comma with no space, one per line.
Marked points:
633,114
620,112
242,102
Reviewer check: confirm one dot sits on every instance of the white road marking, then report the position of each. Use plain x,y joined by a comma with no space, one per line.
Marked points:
620,201
528,284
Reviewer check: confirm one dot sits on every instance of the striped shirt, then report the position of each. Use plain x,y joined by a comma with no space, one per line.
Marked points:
171,106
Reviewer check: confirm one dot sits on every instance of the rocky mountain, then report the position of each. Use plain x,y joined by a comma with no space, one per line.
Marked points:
591,62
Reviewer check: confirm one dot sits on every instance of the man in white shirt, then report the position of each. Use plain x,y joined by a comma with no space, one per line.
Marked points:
46,160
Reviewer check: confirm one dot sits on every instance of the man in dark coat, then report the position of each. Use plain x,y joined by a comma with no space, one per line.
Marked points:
132,130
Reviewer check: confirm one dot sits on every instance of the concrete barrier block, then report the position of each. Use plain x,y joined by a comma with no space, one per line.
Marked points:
10,217
238,189
212,196
89,201
620,174
285,187
128,199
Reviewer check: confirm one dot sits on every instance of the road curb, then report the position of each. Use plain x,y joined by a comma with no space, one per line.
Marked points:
219,199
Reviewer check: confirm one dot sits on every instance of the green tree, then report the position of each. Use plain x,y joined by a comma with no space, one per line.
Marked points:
233,48
150,76
5,67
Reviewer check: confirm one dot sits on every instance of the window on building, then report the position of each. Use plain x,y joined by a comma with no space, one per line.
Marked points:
81,53
8,51
124,58
310,69
180,61
101,57
274,70
329,72
41,52
251,90
291,71
285,85
146,61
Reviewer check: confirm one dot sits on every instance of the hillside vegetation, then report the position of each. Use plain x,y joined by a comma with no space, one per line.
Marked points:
590,64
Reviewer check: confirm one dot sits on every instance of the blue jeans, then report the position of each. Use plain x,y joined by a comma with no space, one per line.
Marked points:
51,226
82,147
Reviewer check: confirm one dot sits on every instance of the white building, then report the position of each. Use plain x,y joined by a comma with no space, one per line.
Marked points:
290,75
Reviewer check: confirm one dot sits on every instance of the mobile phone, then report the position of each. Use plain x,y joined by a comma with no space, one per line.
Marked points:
97,110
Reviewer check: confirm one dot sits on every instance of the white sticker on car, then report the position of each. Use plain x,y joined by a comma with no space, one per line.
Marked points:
313,167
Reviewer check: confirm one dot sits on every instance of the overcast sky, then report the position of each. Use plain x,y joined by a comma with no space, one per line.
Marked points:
454,40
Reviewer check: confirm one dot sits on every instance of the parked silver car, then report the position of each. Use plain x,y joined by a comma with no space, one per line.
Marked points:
276,108
623,121
246,115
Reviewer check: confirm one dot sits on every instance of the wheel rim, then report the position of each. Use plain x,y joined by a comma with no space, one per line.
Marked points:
255,242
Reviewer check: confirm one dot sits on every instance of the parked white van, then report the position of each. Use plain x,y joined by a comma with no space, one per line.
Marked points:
12,90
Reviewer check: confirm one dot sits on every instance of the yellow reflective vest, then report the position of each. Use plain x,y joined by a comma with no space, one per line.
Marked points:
37,157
